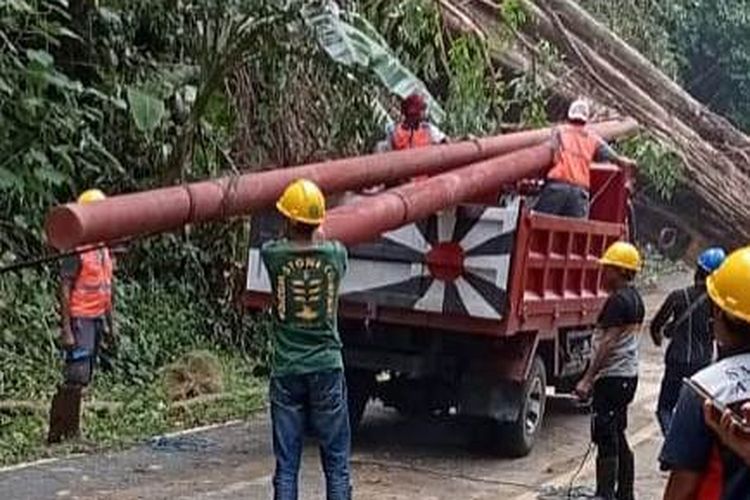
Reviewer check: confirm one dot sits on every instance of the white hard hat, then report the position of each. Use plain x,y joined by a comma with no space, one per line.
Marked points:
579,111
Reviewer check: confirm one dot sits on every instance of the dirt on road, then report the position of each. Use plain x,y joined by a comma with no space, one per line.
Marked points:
393,458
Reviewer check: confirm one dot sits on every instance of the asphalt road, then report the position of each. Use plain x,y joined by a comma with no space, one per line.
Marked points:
393,458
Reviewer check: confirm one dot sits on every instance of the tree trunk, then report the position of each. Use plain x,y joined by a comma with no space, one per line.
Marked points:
601,66
710,126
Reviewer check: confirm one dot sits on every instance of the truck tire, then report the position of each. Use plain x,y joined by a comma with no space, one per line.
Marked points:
517,438
360,385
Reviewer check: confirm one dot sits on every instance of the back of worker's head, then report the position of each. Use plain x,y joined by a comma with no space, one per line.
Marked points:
304,207
729,291
708,261
413,107
579,112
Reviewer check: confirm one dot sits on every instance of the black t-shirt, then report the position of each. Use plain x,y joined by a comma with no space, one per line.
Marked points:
685,318
623,307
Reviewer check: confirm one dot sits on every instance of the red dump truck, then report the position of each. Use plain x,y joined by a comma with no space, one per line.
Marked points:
474,311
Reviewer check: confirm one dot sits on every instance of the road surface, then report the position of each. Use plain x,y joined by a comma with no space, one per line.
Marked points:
393,458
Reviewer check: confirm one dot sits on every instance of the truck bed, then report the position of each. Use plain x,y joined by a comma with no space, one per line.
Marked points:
478,269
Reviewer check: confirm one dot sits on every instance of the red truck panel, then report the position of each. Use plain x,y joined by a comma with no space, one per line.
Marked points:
548,277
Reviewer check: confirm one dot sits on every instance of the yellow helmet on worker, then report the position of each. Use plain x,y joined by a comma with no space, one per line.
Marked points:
623,255
91,196
303,201
729,286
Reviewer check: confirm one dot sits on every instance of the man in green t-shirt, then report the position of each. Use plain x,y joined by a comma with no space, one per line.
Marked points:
307,384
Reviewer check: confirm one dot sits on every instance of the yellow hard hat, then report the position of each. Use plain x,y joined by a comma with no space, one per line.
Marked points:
728,285
623,255
90,196
303,201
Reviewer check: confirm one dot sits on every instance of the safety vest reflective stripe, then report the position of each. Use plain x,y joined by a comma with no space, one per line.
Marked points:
576,149
91,295
405,138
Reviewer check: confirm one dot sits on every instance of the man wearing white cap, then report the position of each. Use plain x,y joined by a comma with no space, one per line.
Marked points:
566,192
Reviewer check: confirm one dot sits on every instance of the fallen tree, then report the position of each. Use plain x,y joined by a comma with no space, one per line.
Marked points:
597,63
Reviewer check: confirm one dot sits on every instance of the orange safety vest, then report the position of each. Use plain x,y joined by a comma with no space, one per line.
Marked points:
406,138
575,151
91,295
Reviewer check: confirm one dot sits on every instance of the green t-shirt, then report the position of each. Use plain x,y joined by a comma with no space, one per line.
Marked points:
305,282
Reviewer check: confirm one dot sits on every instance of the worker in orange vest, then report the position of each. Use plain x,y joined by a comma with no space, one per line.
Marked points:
414,131
566,192
86,314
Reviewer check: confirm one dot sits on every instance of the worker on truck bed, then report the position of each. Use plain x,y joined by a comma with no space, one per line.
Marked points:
685,319
414,131
701,465
612,375
307,388
86,327
566,191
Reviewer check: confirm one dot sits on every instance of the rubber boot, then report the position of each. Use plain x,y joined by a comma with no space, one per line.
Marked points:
606,477
65,414
625,476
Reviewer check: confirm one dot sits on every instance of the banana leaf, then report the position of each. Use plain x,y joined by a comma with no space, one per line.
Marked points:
353,41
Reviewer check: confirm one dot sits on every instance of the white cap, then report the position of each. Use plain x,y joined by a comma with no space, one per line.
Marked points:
579,111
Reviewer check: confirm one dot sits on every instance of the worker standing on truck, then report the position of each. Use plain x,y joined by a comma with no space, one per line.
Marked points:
685,319
414,131
566,191
86,326
701,466
612,375
307,388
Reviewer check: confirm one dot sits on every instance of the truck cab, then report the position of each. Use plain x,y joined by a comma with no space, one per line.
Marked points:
475,311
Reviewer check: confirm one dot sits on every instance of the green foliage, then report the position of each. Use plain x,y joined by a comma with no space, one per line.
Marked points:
358,43
158,323
28,331
701,43
642,24
711,43
147,110
475,105
49,139
135,94
658,167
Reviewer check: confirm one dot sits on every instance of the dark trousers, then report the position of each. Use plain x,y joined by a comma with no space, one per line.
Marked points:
81,359
65,410
315,401
671,385
612,395
566,200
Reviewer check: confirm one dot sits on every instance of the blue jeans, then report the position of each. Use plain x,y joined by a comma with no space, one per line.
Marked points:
314,401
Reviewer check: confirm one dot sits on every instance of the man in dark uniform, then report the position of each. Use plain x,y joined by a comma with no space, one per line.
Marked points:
613,372
685,319
307,384
701,466
86,323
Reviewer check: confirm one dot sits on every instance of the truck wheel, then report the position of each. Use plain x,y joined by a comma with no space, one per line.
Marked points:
518,437
359,386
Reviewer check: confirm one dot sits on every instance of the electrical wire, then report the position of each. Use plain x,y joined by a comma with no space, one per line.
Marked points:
48,258
580,468
444,475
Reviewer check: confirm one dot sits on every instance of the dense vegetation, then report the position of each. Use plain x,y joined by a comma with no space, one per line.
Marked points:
702,43
126,95
131,94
